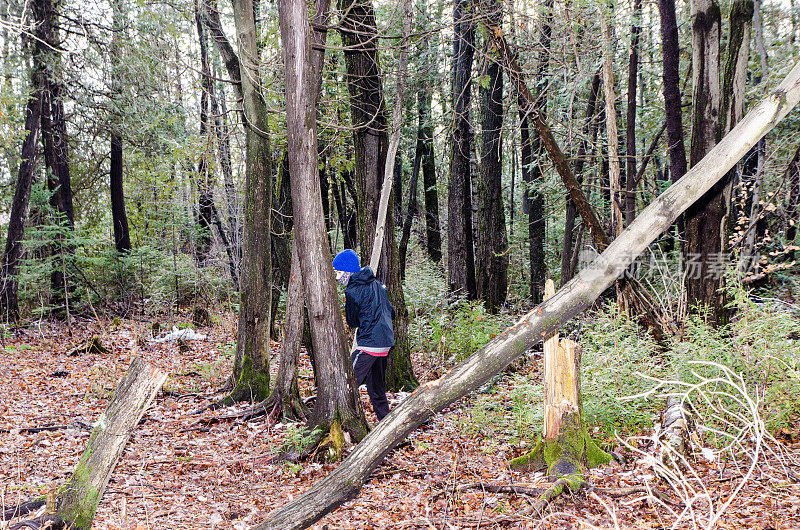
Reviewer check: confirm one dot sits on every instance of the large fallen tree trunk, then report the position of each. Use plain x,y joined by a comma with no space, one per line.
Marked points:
344,482
77,502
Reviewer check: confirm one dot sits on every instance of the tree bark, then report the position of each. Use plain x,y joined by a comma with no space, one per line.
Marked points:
204,196
609,90
285,398
344,482
630,122
460,253
670,86
705,220
251,366
433,232
77,501
411,209
589,128
337,402
119,219
9,267
491,263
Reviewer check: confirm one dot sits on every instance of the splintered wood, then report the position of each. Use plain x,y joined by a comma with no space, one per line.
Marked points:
560,378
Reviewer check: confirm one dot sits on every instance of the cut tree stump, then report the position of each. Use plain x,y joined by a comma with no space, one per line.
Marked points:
77,501
92,345
565,447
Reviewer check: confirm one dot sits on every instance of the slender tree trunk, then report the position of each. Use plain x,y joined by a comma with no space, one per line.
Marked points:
433,232
219,107
411,210
589,128
630,122
706,219
9,267
671,87
205,199
609,90
119,219
491,267
122,238
285,395
251,367
460,253
337,406
534,200
368,116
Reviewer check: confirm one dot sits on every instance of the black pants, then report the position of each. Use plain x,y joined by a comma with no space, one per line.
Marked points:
371,370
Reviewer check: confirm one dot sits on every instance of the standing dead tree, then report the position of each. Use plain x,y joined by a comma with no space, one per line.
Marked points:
344,482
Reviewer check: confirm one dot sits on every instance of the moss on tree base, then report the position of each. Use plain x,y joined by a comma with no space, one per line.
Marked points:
564,456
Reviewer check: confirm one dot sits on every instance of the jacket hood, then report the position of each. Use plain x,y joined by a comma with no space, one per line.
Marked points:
364,276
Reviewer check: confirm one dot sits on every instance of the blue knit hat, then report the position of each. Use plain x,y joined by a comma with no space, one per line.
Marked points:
346,261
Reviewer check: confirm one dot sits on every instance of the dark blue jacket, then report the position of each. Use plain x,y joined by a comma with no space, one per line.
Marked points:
367,308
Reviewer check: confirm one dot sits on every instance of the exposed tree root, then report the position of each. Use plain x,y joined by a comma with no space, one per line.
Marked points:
502,488
573,484
45,522
23,508
275,407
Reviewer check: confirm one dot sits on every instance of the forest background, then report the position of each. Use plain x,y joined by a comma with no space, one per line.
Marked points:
148,177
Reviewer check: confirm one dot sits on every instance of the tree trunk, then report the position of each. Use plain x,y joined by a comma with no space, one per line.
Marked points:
344,482
609,90
630,122
284,400
119,219
491,263
122,237
251,366
460,253
77,504
411,210
337,405
9,267
370,142
705,220
433,232
670,85
204,196
589,128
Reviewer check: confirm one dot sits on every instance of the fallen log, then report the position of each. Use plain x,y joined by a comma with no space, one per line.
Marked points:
77,501
344,482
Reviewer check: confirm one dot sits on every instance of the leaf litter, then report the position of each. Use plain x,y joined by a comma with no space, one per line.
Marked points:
178,472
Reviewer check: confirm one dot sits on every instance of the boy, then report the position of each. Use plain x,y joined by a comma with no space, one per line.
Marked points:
367,308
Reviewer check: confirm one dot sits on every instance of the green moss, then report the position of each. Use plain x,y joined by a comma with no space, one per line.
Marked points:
252,382
565,456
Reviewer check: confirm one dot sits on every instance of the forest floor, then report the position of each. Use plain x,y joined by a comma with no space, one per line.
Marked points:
181,471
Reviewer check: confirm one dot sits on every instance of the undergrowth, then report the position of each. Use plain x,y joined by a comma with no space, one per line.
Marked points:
762,344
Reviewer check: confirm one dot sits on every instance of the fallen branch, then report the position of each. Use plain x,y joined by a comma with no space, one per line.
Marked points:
75,425
23,508
77,502
344,482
